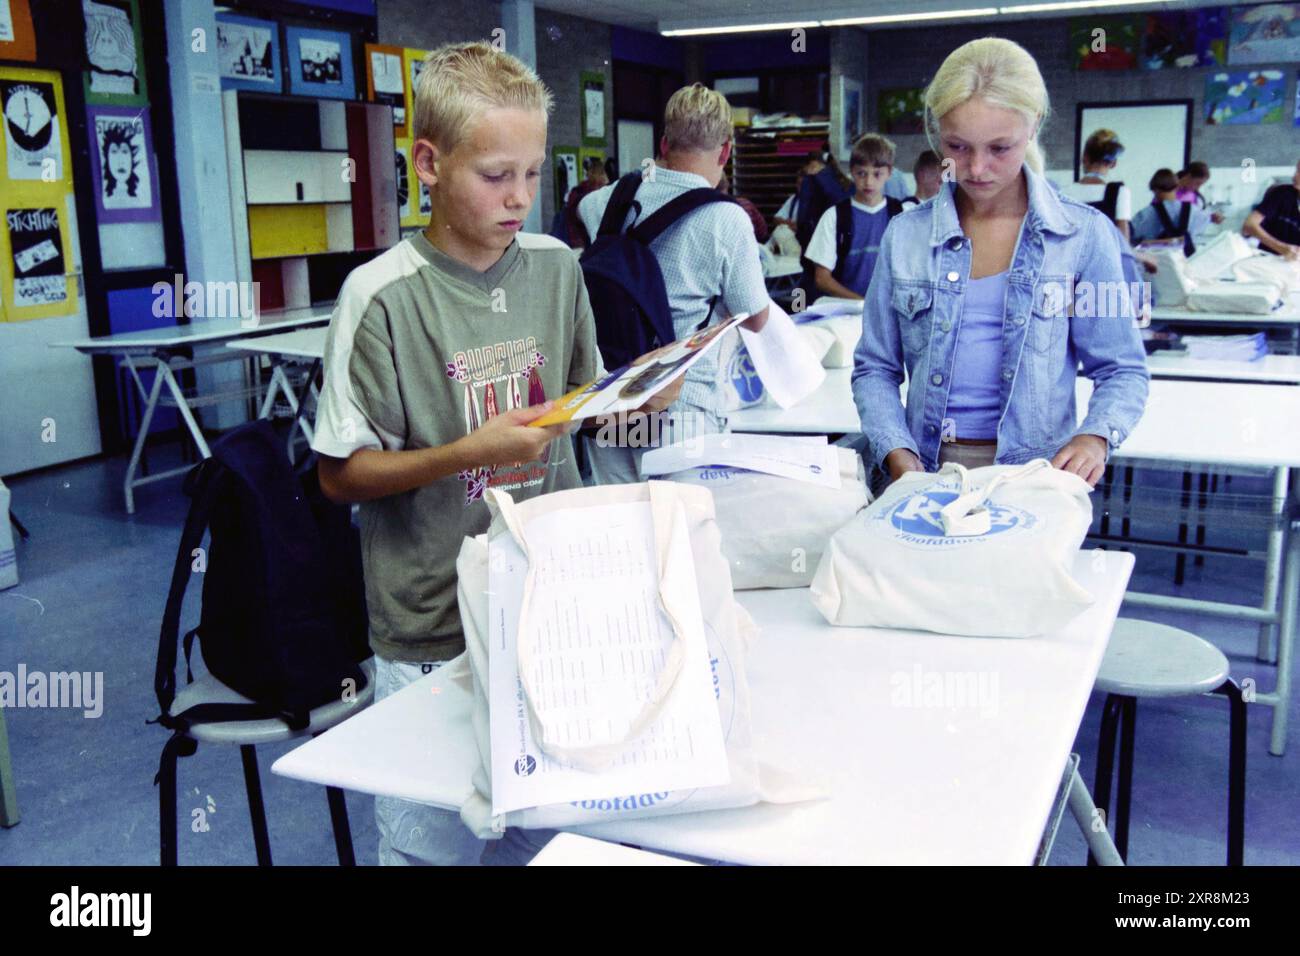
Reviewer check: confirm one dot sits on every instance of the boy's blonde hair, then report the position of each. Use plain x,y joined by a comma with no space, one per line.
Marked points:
461,81
1000,72
872,149
697,119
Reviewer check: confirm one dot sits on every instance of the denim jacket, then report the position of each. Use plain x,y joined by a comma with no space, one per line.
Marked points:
1067,304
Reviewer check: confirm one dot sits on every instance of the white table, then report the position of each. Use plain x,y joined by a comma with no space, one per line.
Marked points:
1234,424
285,348
1277,369
1287,317
906,784
569,849
179,347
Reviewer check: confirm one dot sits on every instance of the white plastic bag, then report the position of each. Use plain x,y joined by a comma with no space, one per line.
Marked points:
985,552
774,529
728,629
1215,258
1258,297
1170,281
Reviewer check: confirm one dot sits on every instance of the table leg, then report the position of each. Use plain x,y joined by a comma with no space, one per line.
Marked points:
1101,847
150,404
186,412
1184,502
277,384
8,797
1285,640
1273,562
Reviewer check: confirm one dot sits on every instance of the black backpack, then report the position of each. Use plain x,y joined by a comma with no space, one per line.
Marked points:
283,620
844,230
622,275
1171,230
1109,200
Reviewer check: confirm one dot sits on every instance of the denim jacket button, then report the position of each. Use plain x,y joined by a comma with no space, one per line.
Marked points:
1020,320
953,277
945,325
930,429
1006,373
936,378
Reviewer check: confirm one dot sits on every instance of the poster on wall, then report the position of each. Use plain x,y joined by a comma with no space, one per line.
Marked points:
1244,98
385,82
1269,33
123,164
36,248
17,39
402,169
1105,43
33,141
412,66
320,63
1185,38
115,72
247,53
593,109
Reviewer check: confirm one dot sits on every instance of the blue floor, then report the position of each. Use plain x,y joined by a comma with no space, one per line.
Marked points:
93,585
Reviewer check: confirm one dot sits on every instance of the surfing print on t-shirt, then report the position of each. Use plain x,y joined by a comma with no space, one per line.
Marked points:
495,378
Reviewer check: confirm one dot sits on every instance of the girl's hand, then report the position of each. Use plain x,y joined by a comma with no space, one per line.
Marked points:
900,461
1085,456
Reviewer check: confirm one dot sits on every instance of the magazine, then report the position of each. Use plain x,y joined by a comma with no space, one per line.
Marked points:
633,385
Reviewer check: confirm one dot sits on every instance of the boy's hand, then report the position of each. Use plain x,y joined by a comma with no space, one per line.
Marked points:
662,398
505,438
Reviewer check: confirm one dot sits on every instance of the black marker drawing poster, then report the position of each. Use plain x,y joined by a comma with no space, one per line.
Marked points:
36,247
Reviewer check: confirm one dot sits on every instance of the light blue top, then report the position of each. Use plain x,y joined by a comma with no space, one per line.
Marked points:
973,403
1052,329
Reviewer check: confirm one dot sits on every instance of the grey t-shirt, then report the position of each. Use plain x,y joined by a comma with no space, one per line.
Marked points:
421,350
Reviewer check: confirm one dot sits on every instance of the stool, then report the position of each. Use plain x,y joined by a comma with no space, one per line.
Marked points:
247,735
1145,659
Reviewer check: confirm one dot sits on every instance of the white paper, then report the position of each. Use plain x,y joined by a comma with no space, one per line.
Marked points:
600,642
811,461
595,101
386,72
789,369
6,23
829,305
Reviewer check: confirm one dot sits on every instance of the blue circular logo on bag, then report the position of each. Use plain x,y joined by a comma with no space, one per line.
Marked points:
744,377
917,518
525,765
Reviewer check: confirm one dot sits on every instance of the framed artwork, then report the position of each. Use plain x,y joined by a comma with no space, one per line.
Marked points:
1245,98
17,38
248,53
850,112
1185,38
1105,43
1269,33
593,108
567,171
114,52
320,63
386,82
123,165
1156,134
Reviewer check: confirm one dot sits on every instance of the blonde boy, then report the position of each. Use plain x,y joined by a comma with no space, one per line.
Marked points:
439,353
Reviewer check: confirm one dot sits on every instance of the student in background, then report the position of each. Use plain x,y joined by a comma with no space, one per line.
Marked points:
709,261
928,172
971,296
844,246
1190,182
788,214
1100,153
1275,222
1167,217
818,192
594,167
752,211
430,386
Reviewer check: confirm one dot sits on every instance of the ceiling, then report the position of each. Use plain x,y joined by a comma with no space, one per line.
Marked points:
655,15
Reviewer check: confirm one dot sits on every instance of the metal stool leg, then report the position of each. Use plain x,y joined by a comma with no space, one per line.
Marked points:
342,832
1236,771
177,746
1202,503
257,811
9,816
1180,560
1105,759
1123,800
1100,846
